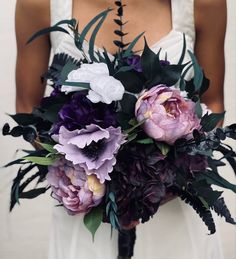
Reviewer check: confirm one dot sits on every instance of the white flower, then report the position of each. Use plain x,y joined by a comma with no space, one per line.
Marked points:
104,88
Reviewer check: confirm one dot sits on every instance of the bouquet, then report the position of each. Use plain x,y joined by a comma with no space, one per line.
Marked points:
119,133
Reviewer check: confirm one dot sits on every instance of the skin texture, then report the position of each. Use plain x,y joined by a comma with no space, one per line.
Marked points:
154,19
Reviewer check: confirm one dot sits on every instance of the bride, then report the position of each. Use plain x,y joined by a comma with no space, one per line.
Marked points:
175,232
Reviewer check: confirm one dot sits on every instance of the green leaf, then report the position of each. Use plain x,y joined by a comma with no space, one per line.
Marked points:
46,31
209,122
183,51
47,147
79,84
128,131
90,24
128,51
41,160
132,137
32,193
198,73
70,66
215,179
150,62
94,34
71,22
182,80
204,202
128,103
198,109
131,81
164,148
145,141
93,220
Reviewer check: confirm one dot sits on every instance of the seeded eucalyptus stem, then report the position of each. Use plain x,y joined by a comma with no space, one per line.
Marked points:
120,43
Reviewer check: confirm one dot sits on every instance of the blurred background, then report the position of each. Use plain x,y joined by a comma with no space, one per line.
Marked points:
24,234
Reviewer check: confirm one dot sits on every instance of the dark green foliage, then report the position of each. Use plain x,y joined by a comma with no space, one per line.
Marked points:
221,209
94,34
215,179
131,80
199,207
55,71
155,73
210,121
55,28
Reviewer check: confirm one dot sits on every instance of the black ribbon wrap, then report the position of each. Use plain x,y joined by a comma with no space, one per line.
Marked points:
126,242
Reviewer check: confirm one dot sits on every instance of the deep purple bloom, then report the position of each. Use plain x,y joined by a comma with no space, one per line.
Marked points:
135,62
80,111
192,163
139,182
164,63
71,186
93,148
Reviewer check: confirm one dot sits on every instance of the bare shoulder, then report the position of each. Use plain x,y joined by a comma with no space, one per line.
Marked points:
210,12
36,11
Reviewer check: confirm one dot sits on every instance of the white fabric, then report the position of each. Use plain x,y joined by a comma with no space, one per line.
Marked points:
176,232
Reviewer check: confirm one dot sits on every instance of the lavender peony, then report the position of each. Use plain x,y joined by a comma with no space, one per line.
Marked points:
71,186
93,148
168,115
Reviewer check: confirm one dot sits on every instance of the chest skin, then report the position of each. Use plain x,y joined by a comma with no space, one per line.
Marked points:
154,17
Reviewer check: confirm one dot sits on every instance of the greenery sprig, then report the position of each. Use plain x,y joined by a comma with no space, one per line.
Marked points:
120,32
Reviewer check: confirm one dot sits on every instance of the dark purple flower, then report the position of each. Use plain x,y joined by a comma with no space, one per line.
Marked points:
192,164
80,111
164,63
135,62
138,182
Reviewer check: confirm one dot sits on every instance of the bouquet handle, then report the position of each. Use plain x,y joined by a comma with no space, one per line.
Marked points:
126,242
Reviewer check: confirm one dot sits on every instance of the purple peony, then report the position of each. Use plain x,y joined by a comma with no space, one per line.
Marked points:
168,116
93,148
80,111
71,186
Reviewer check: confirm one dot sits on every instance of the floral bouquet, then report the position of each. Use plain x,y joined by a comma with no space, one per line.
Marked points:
120,133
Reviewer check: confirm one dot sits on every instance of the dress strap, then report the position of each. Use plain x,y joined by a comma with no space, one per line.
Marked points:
59,10
183,17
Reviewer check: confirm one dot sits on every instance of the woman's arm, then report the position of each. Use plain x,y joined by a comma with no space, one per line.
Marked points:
210,22
32,59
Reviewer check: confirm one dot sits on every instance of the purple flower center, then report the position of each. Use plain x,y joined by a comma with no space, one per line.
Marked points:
94,150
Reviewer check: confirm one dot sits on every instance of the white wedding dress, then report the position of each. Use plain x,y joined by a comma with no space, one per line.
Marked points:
176,232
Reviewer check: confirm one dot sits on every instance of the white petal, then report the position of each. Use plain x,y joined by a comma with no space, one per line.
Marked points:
96,68
94,97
